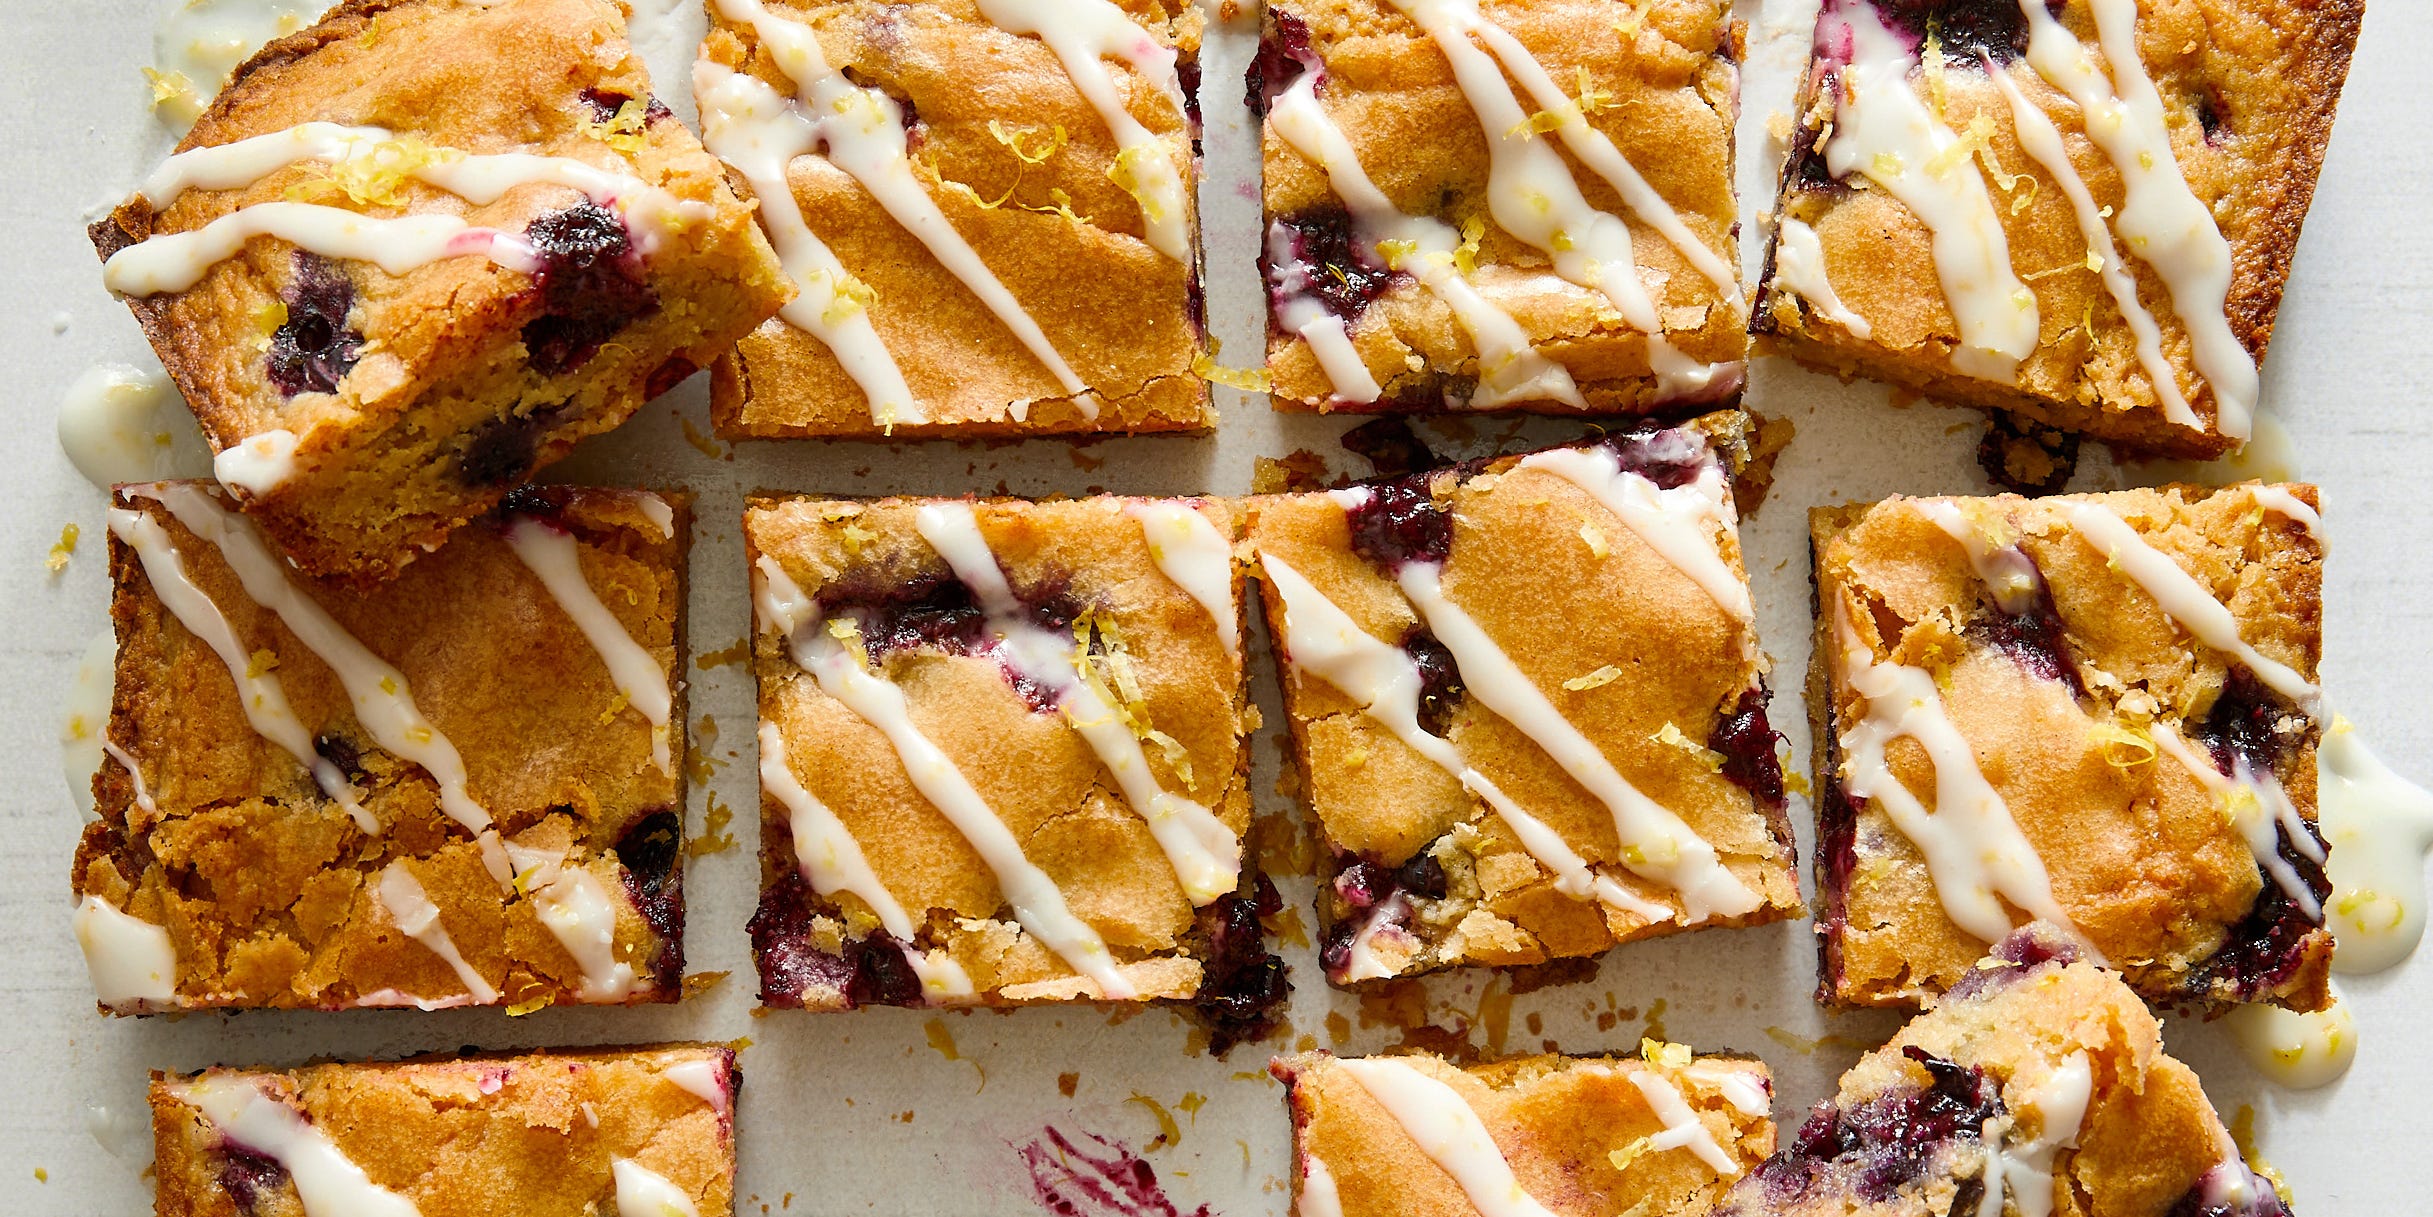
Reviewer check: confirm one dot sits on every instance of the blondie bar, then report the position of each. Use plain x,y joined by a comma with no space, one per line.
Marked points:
415,252
1528,705
640,1131
461,787
2096,710
988,208
1526,206
2079,212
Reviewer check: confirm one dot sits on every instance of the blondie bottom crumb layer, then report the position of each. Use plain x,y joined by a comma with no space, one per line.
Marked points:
1004,754
462,787
989,210
556,1134
2038,1085
2080,212
1661,1135
2097,710
1528,706
1520,206
415,252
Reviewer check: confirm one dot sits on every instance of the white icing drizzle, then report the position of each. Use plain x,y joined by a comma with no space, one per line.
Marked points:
135,774
174,262
1799,264
703,1078
327,1182
410,907
1321,639
199,43
1684,524
2279,499
2024,1169
832,861
1448,1132
1510,369
382,702
123,423
2299,1051
258,464
1534,196
2001,565
557,561
577,910
1330,342
1682,1127
2042,140
2180,596
862,131
643,1192
1205,853
1083,33
1362,962
2379,825
1745,1094
1036,901
241,163
260,693
1974,850
759,131
1319,1196
134,966
2163,221
1195,557
659,512
1883,130
2259,810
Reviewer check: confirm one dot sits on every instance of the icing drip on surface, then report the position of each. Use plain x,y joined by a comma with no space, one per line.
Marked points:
759,131
1993,552
1084,33
259,464
1330,341
1799,264
2299,1051
2379,825
134,966
1448,1132
578,911
1746,1095
2180,596
260,693
1682,1127
643,1192
1883,130
86,717
703,1079
2165,224
862,133
410,908
174,262
1321,639
328,1183
1509,368
1683,524
2261,812
2279,499
2024,1169
1362,962
382,702
1319,1197
135,775
200,43
1192,554
1205,854
2043,141
820,648
1974,850
557,561
122,423
832,861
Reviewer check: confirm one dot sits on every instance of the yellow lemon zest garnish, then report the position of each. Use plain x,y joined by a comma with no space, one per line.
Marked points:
1031,145
1248,380
1594,680
623,129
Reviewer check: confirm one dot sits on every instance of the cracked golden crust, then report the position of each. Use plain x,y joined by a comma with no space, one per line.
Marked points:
1034,771
1674,85
2271,72
1522,569
265,885
2140,855
1122,314
1559,1120
455,1134
378,478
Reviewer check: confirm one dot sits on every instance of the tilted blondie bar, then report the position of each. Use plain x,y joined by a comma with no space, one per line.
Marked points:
1658,1136
628,1131
1004,756
2038,1085
1528,705
461,787
415,252
988,207
1525,207
2097,710
2079,212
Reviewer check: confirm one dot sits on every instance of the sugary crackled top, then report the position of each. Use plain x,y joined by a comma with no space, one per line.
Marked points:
2081,656
1659,89
267,881
564,1134
549,78
1159,658
1578,1135
1042,213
